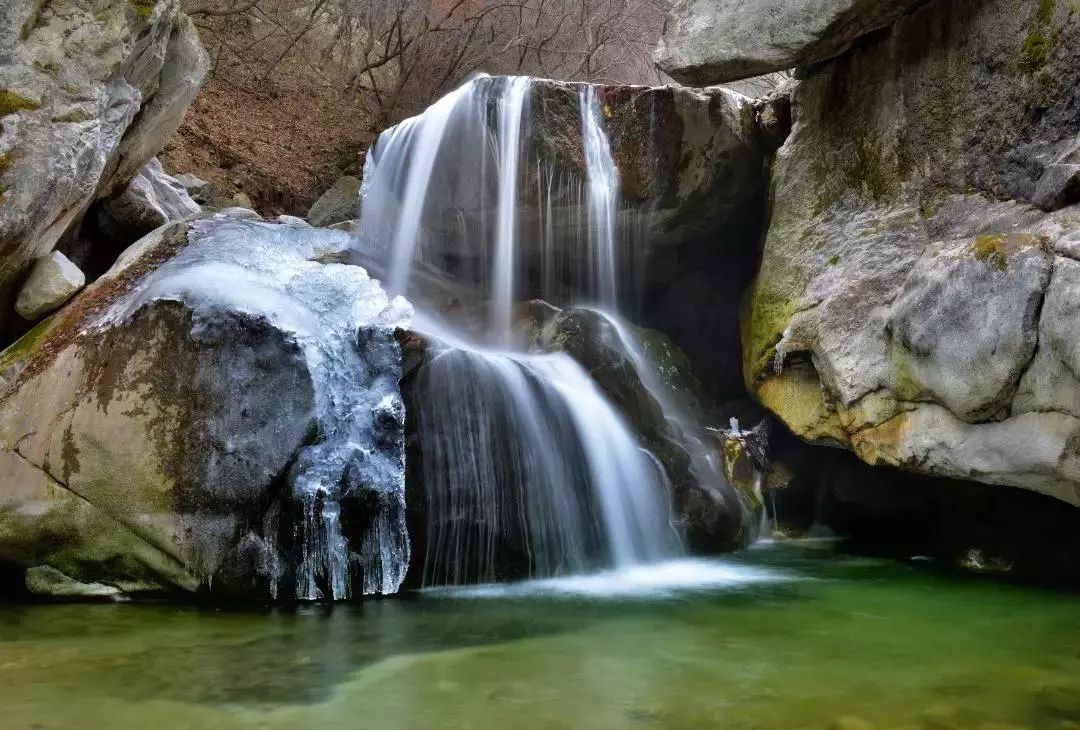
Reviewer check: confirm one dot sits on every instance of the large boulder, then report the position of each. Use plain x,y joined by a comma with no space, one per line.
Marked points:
913,302
88,94
219,412
713,41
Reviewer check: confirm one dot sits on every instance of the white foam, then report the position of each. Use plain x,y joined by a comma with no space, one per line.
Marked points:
656,580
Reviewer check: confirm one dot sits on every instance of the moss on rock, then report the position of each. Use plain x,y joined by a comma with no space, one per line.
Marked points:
10,102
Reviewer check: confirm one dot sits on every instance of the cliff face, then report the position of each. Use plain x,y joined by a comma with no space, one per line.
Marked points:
915,295
87,97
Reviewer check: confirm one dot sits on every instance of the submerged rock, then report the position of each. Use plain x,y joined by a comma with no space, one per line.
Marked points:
713,41
218,412
52,281
912,303
88,94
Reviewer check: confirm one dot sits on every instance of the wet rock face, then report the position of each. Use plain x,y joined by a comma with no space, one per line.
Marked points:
912,295
152,433
88,95
713,41
692,157
690,162
707,505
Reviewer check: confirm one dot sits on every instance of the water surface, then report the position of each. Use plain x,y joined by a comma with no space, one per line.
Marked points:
780,637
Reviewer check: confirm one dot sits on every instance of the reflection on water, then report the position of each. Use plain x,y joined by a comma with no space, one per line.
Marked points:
863,644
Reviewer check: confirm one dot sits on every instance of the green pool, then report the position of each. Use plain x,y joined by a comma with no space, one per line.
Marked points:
788,636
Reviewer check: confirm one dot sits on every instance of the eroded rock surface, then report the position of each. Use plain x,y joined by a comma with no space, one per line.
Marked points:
914,301
151,200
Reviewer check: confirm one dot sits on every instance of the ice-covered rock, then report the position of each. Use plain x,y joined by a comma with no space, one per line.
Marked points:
220,411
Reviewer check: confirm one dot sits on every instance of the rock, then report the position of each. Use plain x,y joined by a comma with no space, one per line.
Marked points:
89,95
712,41
964,327
192,184
1059,185
338,204
653,389
176,427
1052,383
912,302
239,200
52,281
44,580
151,200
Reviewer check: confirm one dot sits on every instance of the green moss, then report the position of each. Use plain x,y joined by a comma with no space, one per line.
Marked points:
1036,49
834,260
143,8
25,346
869,172
767,316
1046,11
5,163
10,102
992,249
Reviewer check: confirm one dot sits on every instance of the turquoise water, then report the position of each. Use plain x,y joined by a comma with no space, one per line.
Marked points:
778,637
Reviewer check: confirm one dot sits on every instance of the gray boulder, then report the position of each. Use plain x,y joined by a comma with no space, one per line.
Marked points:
914,297
192,184
88,95
338,204
187,422
53,280
712,41
151,200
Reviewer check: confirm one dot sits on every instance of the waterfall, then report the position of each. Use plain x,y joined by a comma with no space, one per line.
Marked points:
538,463
603,197
523,459
509,134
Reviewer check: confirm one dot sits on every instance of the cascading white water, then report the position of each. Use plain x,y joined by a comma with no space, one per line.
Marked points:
603,197
511,105
524,455
523,458
680,415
